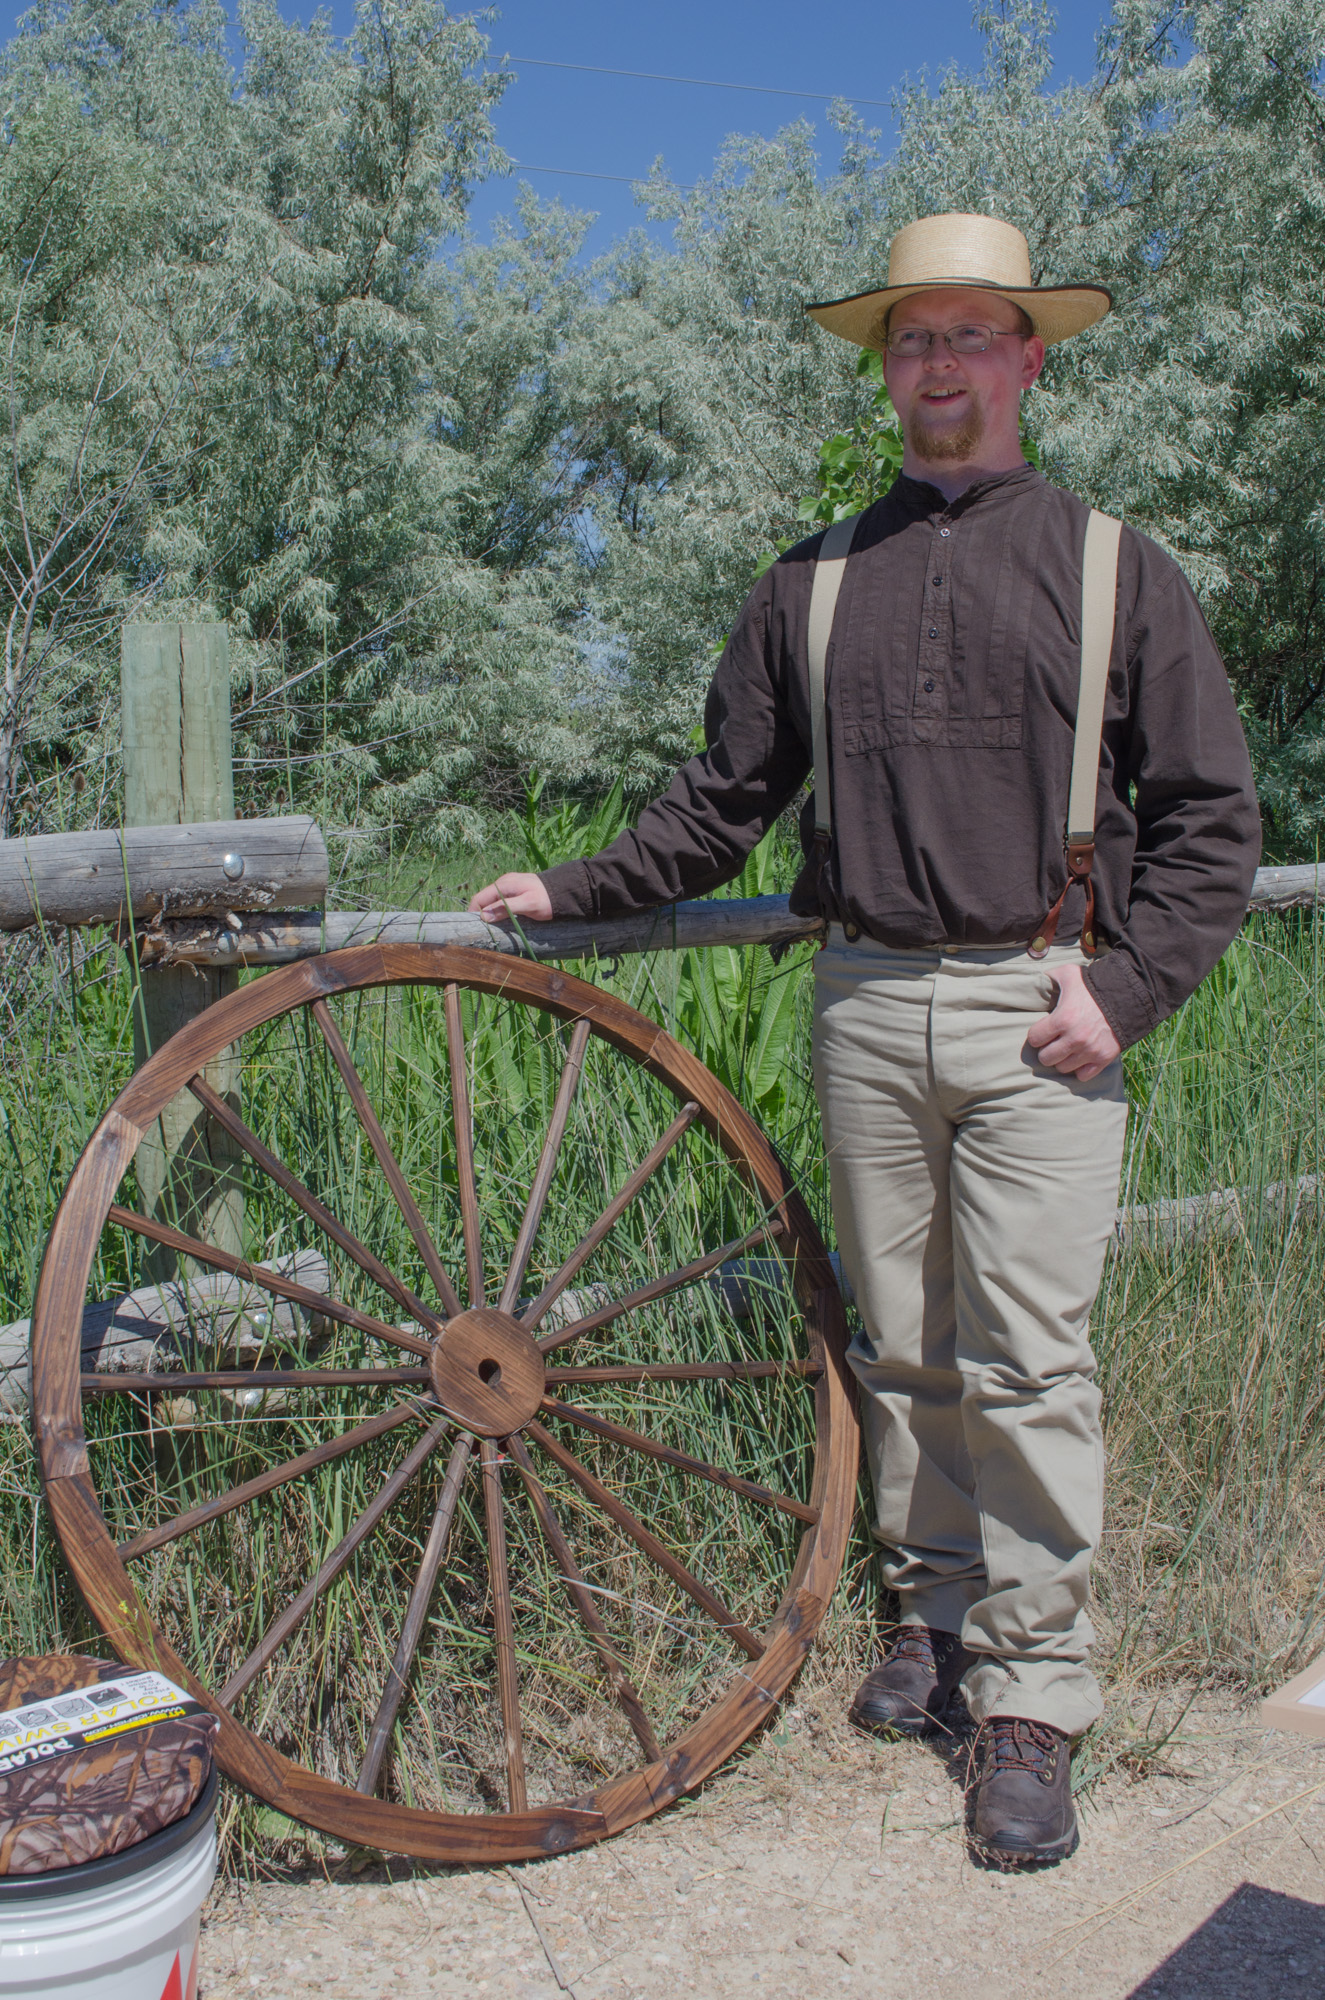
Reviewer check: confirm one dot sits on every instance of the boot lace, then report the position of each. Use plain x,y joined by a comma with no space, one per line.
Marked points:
918,1643
1014,1744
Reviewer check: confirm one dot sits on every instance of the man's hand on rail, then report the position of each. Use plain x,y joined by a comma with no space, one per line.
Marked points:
1075,1037
513,896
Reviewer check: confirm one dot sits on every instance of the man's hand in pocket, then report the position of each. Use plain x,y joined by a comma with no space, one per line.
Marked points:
1075,1037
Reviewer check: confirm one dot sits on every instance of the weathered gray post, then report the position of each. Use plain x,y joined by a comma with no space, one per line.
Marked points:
175,692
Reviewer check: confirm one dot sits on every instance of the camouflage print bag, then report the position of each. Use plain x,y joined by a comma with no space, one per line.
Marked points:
93,1758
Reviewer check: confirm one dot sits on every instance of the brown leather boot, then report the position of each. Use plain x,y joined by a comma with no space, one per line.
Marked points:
906,1695
1023,1800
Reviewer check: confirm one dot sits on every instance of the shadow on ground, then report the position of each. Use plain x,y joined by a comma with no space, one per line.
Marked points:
1257,1942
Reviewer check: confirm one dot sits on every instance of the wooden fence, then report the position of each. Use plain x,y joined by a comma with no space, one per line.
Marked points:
238,892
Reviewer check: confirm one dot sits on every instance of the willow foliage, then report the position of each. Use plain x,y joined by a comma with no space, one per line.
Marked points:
470,509
244,386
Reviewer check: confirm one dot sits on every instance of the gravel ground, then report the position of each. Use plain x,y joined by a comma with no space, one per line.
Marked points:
827,1864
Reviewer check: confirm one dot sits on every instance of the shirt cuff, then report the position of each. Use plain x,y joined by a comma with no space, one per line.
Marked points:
569,889
1122,996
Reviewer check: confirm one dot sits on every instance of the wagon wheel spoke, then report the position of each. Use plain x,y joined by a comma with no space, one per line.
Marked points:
463,1125
416,1614
386,1159
635,1441
265,1279
572,1070
158,1382
610,1216
265,1482
277,1171
687,1371
621,1684
298,1609
508,1679
706,1599
673,1281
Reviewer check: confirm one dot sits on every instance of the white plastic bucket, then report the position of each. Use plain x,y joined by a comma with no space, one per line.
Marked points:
122,1928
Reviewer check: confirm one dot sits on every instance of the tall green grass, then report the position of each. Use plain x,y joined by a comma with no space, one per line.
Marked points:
1210,1348
1211,1341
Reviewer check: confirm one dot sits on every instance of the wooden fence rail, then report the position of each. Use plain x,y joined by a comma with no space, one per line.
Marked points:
229,893
280,937
213,867
277,938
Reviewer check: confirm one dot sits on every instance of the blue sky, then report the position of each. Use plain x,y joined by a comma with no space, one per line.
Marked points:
618,125
613,125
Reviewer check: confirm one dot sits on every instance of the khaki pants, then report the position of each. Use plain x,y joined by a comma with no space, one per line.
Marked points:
974,1193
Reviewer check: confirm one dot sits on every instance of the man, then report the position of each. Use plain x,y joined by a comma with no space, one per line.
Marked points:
970,1086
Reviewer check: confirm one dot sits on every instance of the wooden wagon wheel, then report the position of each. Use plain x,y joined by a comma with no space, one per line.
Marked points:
440,1567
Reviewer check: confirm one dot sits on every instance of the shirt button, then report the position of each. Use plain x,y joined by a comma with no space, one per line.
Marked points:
937,581
933,631
945,532
852,931
929,687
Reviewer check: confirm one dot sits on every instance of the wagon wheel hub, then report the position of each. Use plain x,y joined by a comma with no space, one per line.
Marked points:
488,1372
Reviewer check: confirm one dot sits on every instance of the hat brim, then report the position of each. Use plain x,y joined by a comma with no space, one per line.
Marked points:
1055,311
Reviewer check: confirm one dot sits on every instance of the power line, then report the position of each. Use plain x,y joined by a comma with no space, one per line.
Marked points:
582,174
703,83
579,173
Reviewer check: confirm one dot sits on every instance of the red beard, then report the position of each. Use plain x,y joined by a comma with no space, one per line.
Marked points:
945,447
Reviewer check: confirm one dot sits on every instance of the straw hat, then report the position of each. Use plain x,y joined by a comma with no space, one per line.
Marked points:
963,252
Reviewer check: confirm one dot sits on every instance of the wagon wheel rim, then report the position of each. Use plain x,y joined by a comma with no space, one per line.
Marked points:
486,1386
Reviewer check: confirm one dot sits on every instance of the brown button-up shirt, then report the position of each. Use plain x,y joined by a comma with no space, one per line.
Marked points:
952,689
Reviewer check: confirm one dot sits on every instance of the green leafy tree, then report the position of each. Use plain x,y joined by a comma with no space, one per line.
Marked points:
857,467
706,396
101,339
470,510
245,384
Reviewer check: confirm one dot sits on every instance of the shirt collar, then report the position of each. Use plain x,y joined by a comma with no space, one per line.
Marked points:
919,497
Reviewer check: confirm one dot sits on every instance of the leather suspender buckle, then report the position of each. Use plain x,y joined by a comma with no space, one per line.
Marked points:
1080,859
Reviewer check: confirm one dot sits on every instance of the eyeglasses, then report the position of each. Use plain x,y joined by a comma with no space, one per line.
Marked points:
910,342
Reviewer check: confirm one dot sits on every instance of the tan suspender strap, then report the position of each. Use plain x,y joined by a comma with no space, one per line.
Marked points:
1099,594
828,573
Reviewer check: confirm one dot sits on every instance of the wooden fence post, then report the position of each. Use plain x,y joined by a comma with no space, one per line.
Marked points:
175,693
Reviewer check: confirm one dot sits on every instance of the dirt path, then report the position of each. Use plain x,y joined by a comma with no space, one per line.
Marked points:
825,1865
